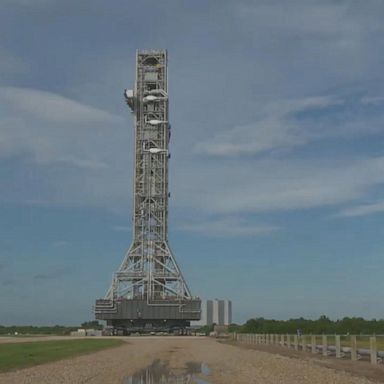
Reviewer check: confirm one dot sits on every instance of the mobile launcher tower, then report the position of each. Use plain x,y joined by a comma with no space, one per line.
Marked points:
148,291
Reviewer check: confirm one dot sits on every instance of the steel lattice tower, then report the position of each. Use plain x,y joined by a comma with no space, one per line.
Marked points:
149,286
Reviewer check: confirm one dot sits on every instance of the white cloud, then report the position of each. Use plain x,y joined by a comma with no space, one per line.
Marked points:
75,160
227,227
280,125
363,210
276,185
261,136
372,100
53,130
81,163
52,107
275,128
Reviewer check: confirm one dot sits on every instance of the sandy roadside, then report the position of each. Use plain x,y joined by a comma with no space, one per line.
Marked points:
228,364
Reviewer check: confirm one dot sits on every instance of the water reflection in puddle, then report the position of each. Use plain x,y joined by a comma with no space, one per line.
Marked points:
160,373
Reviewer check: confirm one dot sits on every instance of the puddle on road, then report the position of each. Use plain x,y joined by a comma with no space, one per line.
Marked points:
160,373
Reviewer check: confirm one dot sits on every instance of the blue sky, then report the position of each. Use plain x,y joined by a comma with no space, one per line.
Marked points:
277,168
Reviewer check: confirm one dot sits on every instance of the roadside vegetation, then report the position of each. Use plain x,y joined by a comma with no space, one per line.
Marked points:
21,355
323,325
56,330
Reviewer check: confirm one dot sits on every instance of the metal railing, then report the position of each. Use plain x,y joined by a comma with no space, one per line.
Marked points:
354,347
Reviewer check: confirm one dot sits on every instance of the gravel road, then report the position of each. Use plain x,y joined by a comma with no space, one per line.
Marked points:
227,363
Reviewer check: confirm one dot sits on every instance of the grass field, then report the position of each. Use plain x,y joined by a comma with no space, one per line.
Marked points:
362,341
21,355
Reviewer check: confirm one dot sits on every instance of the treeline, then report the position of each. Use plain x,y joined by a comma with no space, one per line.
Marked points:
57,330
347,325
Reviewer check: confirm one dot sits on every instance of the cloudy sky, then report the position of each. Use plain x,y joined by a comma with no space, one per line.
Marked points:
277,169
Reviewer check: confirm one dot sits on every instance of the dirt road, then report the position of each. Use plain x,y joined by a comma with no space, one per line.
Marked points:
227,363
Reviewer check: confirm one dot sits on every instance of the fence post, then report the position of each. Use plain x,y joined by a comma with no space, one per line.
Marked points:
288,341
303,343
313,344
338,346
325,345
373,348
353,348
296,342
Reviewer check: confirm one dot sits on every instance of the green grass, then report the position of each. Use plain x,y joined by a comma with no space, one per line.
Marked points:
21,355
362,341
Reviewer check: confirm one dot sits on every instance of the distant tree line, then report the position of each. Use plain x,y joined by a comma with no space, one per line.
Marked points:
323,325
34,330
59,330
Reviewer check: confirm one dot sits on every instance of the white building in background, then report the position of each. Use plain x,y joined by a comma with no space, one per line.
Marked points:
227,312
216,311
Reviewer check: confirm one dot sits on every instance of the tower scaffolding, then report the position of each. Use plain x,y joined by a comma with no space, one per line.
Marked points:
148,290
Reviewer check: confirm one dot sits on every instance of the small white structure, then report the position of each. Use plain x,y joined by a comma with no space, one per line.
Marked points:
86,332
